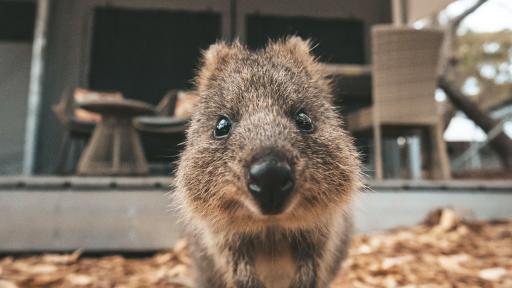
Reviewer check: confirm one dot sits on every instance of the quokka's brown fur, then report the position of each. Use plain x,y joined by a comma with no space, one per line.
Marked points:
234,245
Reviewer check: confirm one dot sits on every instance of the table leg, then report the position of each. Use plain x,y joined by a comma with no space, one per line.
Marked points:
114,150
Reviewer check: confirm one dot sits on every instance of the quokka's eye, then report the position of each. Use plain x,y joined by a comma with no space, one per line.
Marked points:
222,128
303,122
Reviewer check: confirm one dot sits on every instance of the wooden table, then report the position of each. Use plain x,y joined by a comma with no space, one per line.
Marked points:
115,148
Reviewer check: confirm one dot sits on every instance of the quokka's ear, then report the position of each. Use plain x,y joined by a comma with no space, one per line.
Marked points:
213,59
295,46
300,50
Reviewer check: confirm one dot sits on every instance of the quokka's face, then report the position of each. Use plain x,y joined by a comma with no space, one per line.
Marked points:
265,144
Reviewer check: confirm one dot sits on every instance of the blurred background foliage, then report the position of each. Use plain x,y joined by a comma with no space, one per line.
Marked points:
484,70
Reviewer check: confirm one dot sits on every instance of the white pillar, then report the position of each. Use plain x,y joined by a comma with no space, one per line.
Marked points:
35,86
414,155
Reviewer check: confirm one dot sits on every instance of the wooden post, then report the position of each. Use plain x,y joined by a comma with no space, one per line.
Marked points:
35,86
397,7
377,150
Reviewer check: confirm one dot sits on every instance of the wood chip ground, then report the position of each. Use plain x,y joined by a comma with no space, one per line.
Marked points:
444,251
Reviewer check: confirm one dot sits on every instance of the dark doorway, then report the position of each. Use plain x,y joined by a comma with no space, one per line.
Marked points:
145,53
17,21
337,40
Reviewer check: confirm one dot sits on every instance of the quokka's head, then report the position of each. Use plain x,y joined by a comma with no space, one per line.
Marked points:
265,146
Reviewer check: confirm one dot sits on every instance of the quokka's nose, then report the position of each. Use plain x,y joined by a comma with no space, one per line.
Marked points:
270,181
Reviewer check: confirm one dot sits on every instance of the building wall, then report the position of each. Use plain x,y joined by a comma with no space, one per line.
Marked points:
14,78
69,37
16,34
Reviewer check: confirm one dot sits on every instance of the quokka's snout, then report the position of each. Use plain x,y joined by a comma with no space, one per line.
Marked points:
271,181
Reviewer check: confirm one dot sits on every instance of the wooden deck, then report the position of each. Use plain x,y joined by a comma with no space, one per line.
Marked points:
132,214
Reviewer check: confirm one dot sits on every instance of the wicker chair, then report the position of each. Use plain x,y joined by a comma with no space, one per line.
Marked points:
77,133
163,135
404,83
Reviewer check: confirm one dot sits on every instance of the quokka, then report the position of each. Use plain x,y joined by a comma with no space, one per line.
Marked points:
265,182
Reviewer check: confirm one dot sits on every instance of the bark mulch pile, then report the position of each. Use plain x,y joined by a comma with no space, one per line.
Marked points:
444,251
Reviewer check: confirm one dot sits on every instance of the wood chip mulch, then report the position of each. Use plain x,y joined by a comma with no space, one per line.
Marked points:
444,251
